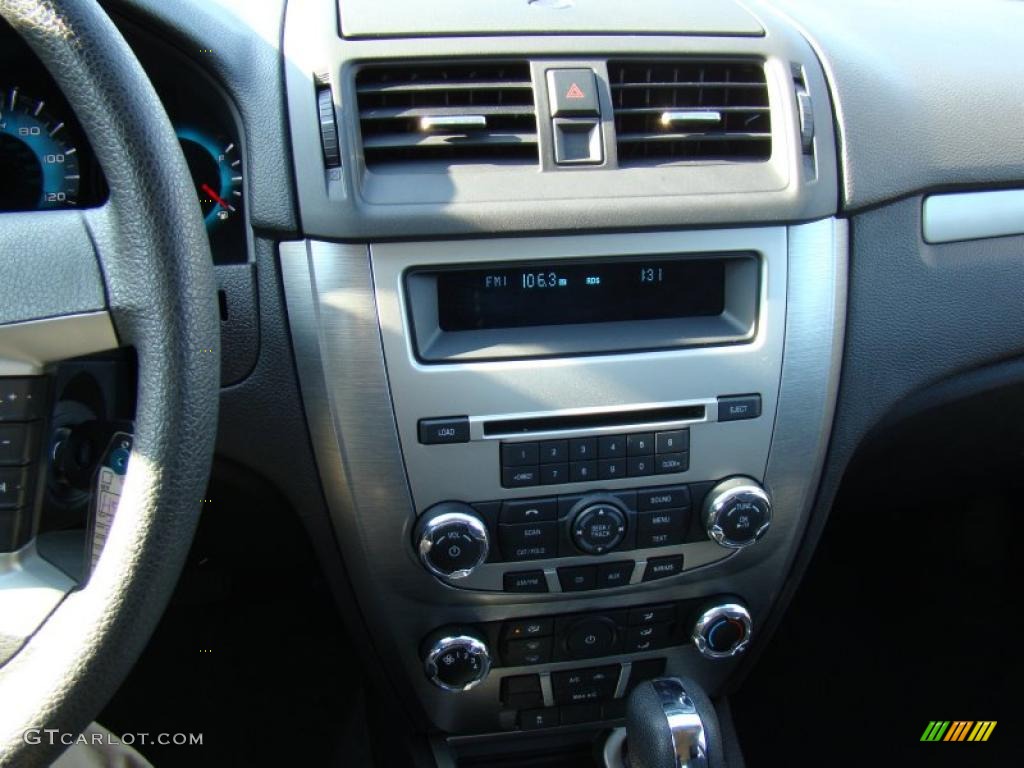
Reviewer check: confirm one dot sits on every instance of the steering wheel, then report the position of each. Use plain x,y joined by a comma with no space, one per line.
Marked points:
137,273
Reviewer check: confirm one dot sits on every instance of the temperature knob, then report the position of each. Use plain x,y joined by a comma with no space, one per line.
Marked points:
737,512
456,660
722,631
452,540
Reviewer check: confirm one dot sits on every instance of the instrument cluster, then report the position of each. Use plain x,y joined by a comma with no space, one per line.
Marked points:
46,162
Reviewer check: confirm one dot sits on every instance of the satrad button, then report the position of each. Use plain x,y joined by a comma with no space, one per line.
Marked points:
573,92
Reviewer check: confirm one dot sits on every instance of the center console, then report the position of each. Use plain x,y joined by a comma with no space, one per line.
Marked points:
522,523
568,360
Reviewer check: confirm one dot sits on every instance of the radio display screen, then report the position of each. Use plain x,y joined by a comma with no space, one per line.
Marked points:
561,293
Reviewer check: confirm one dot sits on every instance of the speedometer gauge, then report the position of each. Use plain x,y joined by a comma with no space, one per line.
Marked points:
35,156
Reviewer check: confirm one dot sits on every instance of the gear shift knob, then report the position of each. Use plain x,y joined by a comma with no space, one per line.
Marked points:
671,723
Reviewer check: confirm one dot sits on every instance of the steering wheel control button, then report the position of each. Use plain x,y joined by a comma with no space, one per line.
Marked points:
452,429
452,540
529,511
578,579
737,513
17,444
21,398
13,488
599,528
456,661
739,407
722,631
533,541
661,528
573,92
525,581
663,567
614,574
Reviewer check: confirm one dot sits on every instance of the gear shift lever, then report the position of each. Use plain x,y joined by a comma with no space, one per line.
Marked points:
670,723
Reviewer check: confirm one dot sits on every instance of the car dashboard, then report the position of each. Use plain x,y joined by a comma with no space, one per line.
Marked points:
560,325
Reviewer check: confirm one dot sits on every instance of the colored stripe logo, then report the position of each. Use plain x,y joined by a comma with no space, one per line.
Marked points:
958,730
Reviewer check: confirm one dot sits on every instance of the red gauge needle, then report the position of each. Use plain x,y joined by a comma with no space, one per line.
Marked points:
216,198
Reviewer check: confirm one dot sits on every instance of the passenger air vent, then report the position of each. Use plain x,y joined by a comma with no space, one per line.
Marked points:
455,113
688,110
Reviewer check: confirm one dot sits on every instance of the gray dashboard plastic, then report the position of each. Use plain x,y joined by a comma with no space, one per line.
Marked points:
413,18
927,92
352,203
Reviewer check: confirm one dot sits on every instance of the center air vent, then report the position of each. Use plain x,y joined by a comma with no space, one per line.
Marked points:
454,113
688,110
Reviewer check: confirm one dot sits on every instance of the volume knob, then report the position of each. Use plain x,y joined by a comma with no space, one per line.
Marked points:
737,512
451,540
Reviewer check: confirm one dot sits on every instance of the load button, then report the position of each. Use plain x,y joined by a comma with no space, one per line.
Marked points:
573,92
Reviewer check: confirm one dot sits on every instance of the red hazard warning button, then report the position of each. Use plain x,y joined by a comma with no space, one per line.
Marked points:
573,92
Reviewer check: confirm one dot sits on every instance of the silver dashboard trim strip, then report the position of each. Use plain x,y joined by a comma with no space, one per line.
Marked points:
26,348
973,215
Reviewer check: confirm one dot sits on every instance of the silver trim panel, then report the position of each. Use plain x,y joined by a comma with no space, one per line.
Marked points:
340,359
30,589
973,215
26,348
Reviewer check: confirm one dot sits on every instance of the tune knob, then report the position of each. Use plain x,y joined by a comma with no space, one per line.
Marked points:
722,631
456,659
451,540
737,512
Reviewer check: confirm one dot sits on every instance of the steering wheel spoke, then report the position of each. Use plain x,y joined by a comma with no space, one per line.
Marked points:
53,303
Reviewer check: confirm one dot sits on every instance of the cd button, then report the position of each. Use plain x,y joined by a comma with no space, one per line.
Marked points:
578,579
518,454
614,574
611,469
640,466
554,474
611,446
529,511
666,463
582,471
663,567
583,448
673,442
525,581
554,451
640,445
665,497
519,477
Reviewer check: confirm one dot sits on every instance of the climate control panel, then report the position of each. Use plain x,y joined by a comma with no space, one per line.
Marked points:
576,542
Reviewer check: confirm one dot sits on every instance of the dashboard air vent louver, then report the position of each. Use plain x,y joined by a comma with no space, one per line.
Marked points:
453,113
690,110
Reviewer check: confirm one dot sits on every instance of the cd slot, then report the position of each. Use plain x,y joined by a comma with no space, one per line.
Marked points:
572,422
